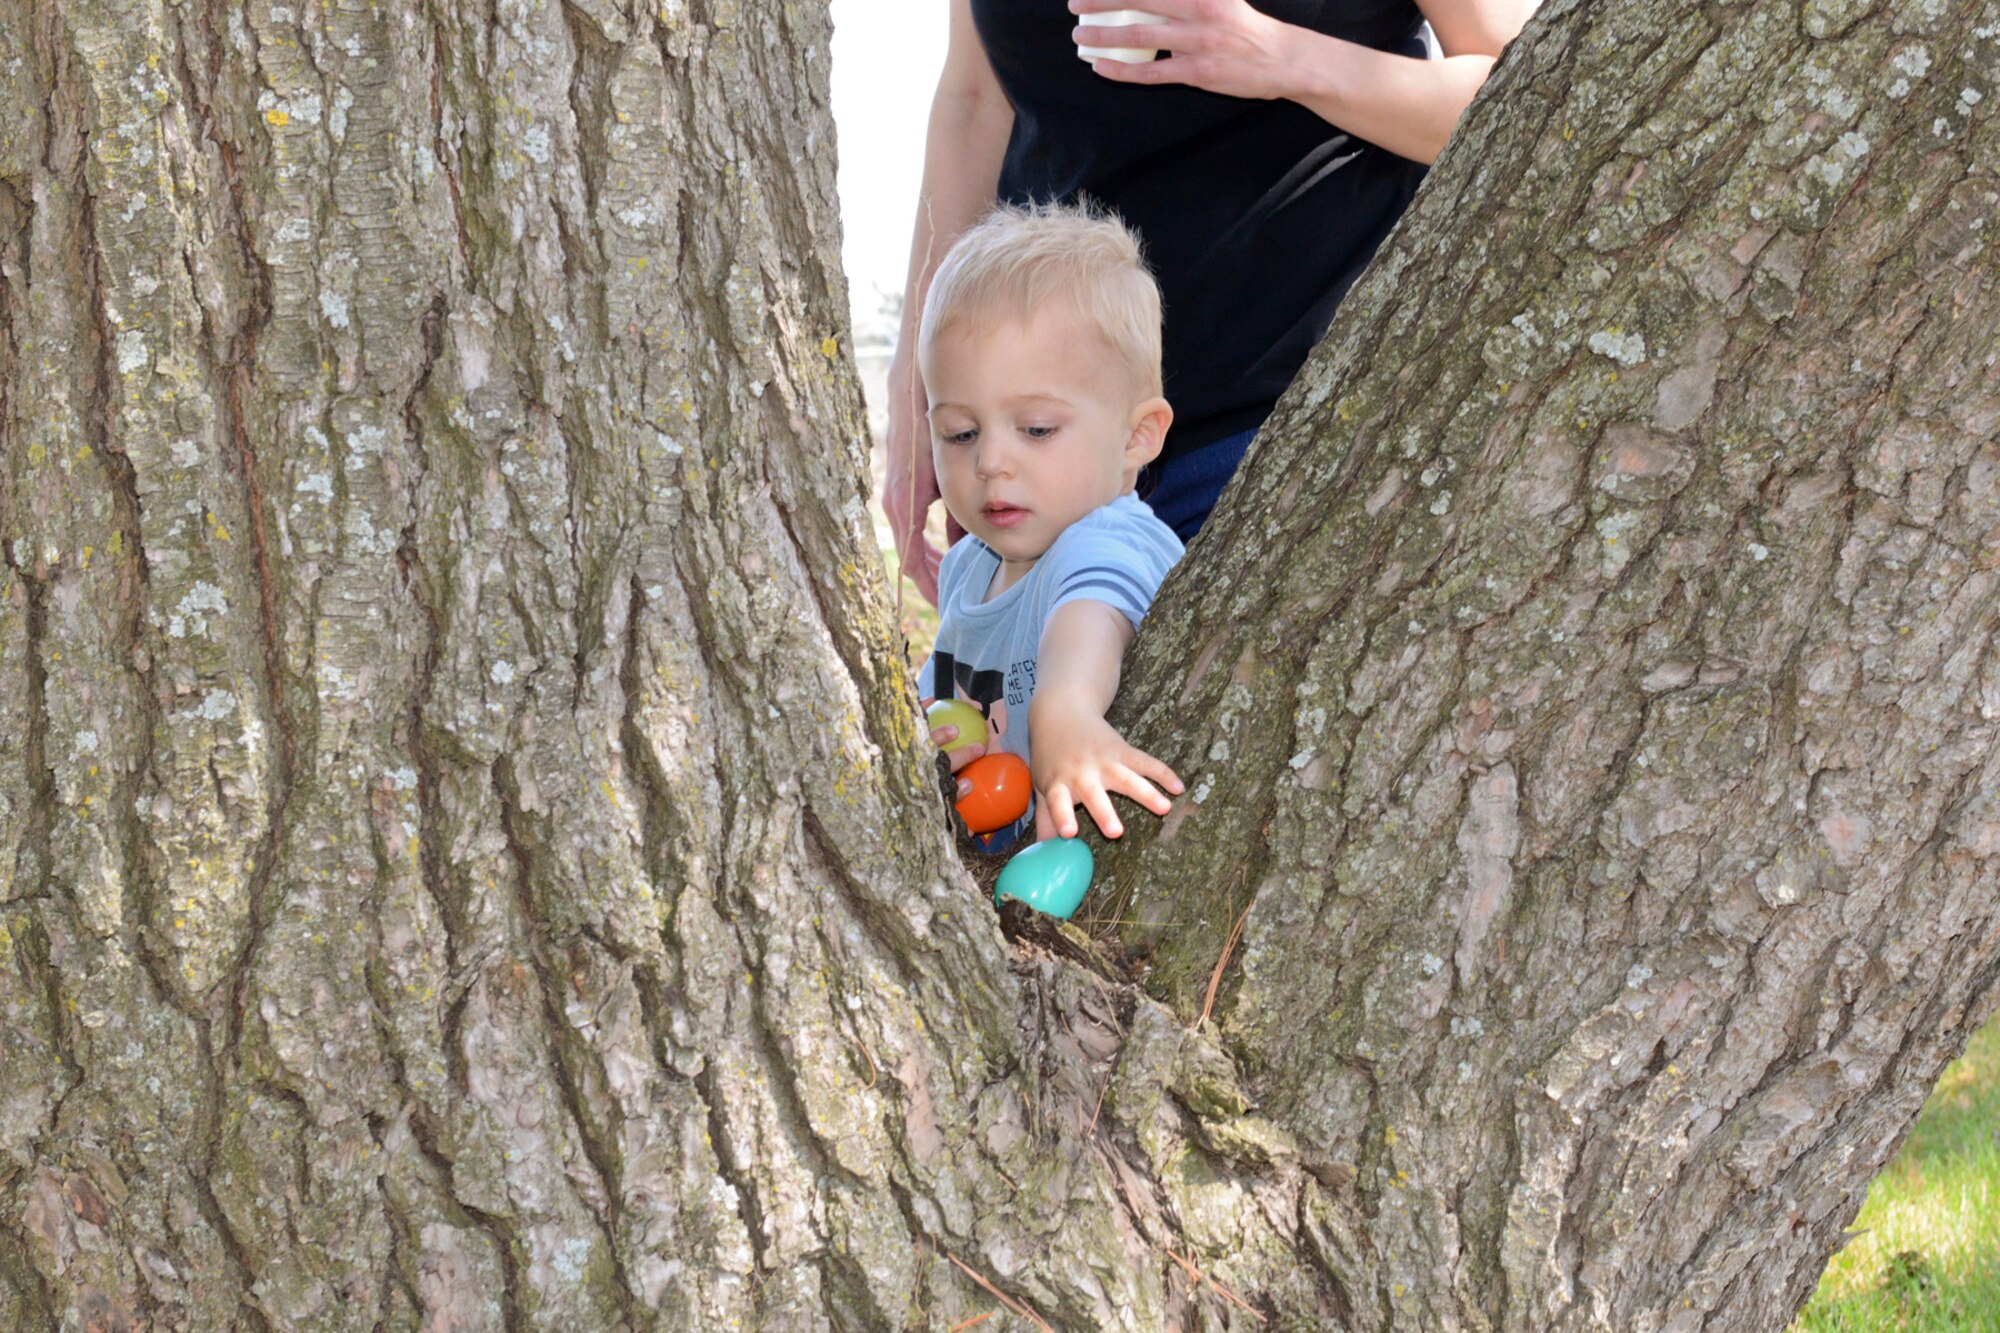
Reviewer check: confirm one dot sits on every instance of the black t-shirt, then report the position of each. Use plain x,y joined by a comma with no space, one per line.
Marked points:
1255,216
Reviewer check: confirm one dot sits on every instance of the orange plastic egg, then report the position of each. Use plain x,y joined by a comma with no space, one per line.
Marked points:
1000,791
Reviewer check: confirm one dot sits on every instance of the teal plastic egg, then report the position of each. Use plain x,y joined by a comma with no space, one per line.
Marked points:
957,713
1051,876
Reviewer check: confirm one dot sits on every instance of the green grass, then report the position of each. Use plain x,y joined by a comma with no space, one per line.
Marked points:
1930,1256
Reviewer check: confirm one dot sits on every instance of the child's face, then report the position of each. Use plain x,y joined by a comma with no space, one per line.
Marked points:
1034,423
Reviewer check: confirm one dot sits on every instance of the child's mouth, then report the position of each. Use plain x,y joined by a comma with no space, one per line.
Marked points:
1005,516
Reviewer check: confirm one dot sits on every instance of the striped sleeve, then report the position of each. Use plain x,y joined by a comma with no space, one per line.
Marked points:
1110,566
1120,589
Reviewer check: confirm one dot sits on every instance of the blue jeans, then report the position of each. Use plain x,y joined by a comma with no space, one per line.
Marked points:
1182,490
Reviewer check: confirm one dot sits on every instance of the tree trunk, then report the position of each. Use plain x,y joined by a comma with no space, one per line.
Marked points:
476,865
1593,699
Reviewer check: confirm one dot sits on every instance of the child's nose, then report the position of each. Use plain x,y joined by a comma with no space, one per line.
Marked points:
994,460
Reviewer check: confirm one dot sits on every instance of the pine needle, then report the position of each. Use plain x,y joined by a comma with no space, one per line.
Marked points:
999,1295
1215,978
873,1072
1198,1277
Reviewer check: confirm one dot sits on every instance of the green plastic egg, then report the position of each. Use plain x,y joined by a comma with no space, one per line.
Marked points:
957,713
1051,876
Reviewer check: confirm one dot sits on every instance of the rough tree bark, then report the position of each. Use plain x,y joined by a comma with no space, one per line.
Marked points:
475,865
1590,688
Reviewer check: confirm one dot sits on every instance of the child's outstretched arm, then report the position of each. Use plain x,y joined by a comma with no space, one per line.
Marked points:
1078,759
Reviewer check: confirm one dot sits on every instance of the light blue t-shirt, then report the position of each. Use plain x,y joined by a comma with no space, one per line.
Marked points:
1116,554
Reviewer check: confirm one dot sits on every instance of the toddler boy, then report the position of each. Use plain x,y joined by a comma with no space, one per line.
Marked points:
1040,351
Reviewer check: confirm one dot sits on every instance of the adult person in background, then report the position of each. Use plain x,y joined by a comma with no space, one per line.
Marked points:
1261,160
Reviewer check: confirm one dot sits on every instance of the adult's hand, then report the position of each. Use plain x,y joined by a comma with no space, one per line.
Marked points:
1224,46
909,486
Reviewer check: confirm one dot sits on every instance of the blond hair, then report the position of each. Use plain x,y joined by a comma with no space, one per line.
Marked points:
1017,259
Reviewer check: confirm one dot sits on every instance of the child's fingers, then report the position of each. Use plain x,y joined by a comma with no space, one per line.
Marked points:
1144,765
964,788
944,735
964,755
1059,805
1128,783
1045,823
1097,801
1130,778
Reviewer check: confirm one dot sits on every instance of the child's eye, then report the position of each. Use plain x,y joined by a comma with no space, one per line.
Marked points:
1038,432
959,436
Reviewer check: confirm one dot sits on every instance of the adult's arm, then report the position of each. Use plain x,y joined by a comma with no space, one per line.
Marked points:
1404,104
969,124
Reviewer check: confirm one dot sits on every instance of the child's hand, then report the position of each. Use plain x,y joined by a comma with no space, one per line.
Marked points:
1079,759
965,754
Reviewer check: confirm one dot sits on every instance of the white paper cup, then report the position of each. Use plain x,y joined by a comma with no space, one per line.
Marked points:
1117,18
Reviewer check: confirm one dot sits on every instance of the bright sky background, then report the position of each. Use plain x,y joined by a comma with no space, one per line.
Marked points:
886,58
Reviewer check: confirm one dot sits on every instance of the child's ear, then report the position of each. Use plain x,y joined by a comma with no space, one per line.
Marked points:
1150,420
